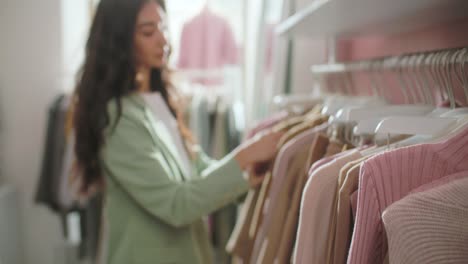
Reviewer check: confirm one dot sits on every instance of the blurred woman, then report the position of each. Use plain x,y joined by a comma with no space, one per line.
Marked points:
154,205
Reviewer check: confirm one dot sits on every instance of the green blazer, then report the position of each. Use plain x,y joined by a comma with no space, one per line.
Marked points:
154,213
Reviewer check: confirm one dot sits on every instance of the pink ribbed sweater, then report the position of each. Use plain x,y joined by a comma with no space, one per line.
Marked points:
430,226
390,176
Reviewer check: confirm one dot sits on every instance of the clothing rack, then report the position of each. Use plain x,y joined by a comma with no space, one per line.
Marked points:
429,58
444,67
355,176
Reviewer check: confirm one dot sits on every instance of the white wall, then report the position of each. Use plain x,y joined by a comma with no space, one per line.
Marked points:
306,51
75,22
35,66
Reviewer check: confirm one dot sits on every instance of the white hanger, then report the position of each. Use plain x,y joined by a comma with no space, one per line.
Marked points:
439,125
298,100
429,125
379,109
410,125
370,119
334,105
371,112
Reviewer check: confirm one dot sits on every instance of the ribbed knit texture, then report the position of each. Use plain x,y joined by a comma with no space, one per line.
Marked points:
390,176
431,226
317,208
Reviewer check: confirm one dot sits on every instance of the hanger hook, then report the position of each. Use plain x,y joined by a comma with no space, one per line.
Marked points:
412,74
407,65
452,72
373,66
464,79
430,79
419,74
436,74
447,77
411,86
441,66
397,63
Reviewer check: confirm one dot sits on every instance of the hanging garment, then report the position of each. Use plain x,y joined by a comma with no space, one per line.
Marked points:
279,210
235,122
287,165
241,252
317,207
257,217
200,121
207,42
347,185
54,149
335,147
267,123
54,188
288,237
323,161
294,127
288,150
333,216
240,243
247,228
220,139
90,227
430,226
388,177
223,221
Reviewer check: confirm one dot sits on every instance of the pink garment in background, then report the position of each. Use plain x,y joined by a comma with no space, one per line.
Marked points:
388,177
207,42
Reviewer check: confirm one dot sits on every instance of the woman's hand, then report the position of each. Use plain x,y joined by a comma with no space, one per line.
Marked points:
260,149
257,173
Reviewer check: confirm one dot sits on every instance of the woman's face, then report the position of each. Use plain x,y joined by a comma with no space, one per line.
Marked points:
150,44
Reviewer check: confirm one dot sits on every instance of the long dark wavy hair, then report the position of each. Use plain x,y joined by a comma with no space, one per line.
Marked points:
109,73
